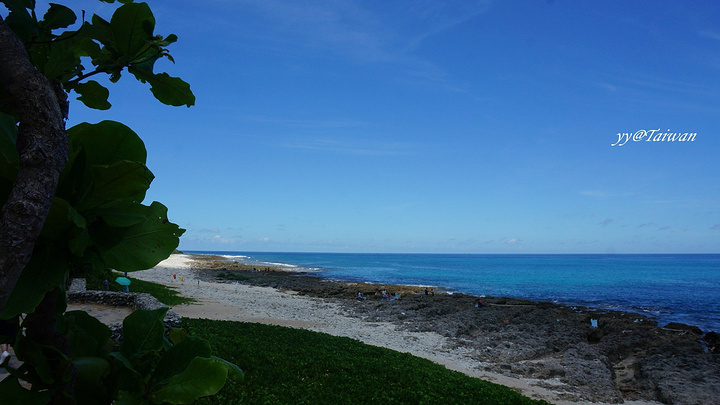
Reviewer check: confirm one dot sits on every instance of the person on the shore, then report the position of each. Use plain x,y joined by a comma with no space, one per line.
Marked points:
106,285
8,331
478,303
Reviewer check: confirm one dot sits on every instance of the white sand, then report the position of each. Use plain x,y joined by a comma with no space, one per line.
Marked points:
237,302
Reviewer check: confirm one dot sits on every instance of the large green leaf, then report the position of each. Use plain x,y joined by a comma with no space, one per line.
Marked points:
61,62
119,181
120,214
171,90
65,223
202,377
143,331
177,359
58,16
20,21
38,358
90,388
45,271
234,372
12,393
143,245
107,142
93,95
86,335
132,27
100,30
61,218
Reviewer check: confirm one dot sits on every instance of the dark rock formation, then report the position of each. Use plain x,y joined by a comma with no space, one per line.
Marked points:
626,357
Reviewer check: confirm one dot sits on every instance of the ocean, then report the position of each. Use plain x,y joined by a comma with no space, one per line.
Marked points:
681,288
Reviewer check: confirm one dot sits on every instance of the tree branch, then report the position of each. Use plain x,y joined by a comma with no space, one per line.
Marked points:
43,150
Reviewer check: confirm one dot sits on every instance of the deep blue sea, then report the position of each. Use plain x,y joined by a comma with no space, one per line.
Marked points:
669,288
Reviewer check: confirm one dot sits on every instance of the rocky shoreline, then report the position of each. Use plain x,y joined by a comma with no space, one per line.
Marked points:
605,356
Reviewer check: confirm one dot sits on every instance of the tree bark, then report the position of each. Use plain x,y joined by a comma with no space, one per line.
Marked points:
43,150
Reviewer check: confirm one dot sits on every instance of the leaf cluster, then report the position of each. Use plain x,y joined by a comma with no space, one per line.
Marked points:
70,56
97,220
149,367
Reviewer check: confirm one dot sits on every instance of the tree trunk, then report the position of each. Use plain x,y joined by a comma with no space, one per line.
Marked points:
43,150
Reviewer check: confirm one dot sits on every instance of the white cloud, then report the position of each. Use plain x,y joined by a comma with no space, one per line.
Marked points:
352,146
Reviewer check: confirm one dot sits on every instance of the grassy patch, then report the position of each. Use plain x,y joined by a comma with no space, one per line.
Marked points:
293,366
167,295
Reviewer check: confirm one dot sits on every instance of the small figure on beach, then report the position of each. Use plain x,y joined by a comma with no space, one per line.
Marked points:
361,296
478,303
106,285
427,292
182,278
8,329
174,277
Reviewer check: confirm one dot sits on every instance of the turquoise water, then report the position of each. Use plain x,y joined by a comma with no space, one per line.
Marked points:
668,288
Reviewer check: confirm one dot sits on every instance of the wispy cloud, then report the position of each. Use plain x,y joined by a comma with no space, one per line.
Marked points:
605,222
317,124
350,146
710,34
715,227
602,193
351,29
643,225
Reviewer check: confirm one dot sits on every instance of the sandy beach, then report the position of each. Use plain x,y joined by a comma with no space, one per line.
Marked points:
247,303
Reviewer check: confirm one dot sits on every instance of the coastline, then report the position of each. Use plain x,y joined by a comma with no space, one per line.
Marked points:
547,351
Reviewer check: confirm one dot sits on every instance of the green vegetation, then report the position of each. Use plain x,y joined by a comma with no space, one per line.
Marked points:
293,366
167,295
73,203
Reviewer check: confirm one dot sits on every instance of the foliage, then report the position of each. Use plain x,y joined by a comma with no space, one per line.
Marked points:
127,41
148,369
294,366
97,221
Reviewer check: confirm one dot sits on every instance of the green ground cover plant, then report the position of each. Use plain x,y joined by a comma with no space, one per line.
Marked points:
293,366
165,294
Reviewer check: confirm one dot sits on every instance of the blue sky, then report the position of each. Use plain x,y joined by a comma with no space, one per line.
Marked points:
434,126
